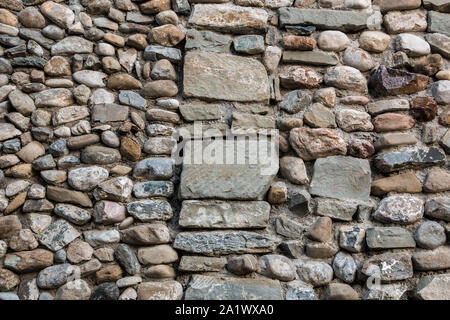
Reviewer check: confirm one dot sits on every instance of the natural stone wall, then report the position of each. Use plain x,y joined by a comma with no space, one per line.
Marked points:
96,95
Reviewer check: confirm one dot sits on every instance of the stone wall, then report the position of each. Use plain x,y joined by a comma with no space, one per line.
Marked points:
95,95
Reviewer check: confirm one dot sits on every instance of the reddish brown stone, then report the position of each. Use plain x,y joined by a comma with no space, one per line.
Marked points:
404,182
277,193
361,149
155,6
123,81
424,109
321,230
110,273
167,35
299,42
311,144
392,122
388,81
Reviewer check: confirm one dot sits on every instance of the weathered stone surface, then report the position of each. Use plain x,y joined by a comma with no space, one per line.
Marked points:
344,267
350,178
403,182
296,77
438,180
434,287
389,238
59,234
387,81
224,242
394,139
225,288
438,22
392,122
156,233
56,276
207,41
224,215
399,209
389,266
438,208
88,178
409,158
318,58
127,259
149,210
328,19
220,76
101,237
326,143
427,260
230,181
71,45
199,263
28,261
228,18
439,43
430,235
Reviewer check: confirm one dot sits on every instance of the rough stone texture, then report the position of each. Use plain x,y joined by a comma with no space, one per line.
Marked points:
100,199
224,77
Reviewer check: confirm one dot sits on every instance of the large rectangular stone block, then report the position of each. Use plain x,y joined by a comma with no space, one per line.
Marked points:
329,19
229,18
227,169
225,288
223,214
221,76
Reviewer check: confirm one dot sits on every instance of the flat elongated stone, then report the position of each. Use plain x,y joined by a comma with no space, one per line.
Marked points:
328,19
71,45
317,58
165,290
406,158
225,288
199,263
149,189
336,209
394,139
224,242
392,105
222,76
342,178
201,179
229,18
224,215
53,98
150,210
193,112
28,261
58,235
72,213
399,209
101,237
404,182
389,238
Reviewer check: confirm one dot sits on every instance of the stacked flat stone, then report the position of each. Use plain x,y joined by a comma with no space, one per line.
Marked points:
97,203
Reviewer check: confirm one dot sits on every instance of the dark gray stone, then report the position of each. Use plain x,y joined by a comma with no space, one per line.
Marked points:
389,238
207,41
127,259
154,168
150,210
407,158
106,291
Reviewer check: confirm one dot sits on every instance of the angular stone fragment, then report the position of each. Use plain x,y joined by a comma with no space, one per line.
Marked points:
296,77
86,179
316,273
389,238
438,208
8,131
72,213
101,237
405,21
243,181
228,18
224,77
342,178
318,58
428,260
71,45
53,98
403,182
154,168
69,196
326,143
389,266
328,19
225,288
58,235
439,43
207,41
224,242
399,209
224,215
69,114
408,158
439,22
387,81
434,287
352,120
